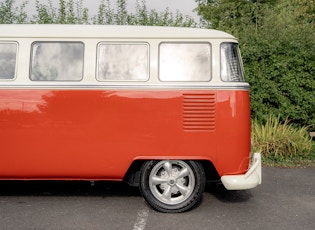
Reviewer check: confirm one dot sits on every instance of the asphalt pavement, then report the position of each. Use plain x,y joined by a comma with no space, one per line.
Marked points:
285,200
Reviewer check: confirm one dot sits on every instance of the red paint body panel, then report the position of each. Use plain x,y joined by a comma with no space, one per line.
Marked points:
97,134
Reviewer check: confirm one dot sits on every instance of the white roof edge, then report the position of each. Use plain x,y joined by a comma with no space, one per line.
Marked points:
106,31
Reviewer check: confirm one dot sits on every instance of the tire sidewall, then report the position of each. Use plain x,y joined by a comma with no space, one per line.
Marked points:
194,198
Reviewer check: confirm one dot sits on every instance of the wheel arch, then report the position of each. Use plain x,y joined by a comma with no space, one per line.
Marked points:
132,176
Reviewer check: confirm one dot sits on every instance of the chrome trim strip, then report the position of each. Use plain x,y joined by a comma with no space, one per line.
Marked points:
148,87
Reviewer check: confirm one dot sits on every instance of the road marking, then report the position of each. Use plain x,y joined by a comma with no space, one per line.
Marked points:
142,218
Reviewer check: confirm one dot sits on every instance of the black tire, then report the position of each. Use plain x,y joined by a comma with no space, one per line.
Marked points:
172,186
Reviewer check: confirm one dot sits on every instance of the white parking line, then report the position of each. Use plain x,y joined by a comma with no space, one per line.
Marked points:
142,218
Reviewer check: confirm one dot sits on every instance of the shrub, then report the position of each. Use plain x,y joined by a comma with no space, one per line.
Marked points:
281,142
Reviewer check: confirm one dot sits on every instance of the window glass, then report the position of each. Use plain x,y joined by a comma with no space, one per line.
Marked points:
185,62
118,62
7,60
57,61
231,65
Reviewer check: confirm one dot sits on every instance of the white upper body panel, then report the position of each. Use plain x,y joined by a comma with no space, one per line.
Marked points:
107,31
94,49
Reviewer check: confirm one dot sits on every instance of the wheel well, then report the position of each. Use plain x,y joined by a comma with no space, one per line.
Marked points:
210,171
132,176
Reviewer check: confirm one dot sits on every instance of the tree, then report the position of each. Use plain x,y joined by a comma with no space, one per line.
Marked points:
105,14
11,14
45,15
305,11
68,12
73,12
278,50
143,16
234,16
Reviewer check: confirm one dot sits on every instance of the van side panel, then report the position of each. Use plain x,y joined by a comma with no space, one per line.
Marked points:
97,134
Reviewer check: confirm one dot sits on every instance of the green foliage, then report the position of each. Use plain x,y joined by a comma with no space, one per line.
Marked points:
305,11
278,48
44,15
142,16
281,142
73,12
10,14
105,14
234,16
68,12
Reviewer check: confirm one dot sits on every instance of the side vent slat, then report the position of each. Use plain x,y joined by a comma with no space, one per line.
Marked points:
199,112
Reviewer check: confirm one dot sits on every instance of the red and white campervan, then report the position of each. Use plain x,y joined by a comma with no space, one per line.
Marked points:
163,108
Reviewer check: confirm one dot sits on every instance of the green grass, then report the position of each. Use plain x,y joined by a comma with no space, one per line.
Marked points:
282,144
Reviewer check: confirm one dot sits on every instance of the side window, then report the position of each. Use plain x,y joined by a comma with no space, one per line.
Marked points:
122,62
231,63
57,61
185,62
8,53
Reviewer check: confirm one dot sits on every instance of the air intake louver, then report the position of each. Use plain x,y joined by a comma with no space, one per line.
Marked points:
199,112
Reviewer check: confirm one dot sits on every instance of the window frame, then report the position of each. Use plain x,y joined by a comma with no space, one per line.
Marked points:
240,63
186,42
99,44
16,60
60,42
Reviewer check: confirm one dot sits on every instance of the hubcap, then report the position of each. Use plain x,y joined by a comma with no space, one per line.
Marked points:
171,182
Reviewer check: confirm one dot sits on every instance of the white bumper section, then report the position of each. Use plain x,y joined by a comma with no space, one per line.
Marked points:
249,180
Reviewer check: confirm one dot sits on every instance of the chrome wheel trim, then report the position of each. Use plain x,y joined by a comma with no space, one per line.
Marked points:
171,182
